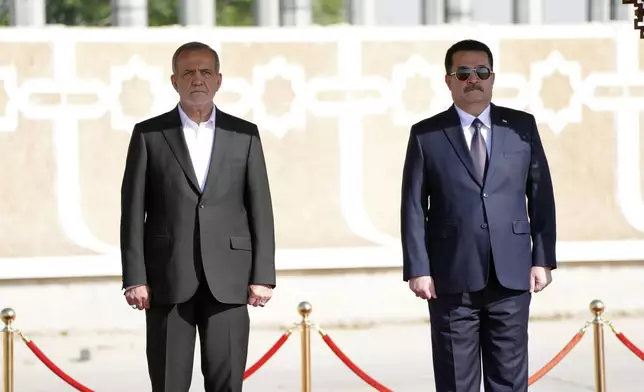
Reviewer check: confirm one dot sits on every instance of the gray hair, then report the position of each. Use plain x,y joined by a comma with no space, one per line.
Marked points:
192,47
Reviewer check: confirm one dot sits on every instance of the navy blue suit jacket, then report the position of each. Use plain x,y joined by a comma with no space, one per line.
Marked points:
451,222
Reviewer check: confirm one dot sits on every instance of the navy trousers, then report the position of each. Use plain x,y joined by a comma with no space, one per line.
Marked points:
487,329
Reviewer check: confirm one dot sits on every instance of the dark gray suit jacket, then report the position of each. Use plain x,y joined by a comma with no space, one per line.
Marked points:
162,207
451,221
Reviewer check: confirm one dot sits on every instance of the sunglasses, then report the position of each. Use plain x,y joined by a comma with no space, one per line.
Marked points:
464,73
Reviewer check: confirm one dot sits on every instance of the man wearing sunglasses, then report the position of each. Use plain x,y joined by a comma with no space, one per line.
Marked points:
478,228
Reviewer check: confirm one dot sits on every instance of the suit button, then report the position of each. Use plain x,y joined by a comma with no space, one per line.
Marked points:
484,226
485,195
200,205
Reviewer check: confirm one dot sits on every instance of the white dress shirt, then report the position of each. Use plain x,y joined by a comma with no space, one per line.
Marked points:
199,138
486,130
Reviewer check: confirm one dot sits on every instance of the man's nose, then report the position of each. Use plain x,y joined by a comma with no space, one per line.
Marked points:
473,79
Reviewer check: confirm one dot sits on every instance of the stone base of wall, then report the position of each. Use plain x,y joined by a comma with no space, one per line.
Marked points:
339,298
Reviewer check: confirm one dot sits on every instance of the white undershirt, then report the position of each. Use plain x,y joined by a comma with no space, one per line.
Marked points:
199,138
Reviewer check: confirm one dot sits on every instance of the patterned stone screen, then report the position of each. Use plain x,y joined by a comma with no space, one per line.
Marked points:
334,107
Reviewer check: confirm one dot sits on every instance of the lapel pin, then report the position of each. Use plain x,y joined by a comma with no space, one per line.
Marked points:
504,121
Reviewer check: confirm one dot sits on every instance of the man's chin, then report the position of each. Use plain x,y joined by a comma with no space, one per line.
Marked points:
199,100
199,96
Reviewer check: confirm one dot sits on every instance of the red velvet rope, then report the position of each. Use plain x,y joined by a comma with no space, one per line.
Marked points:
364,376
534,378
43,358
353,367
78,386
280,342
555,361
630,345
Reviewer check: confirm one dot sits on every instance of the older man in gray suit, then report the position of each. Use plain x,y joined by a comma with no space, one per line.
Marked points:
197,236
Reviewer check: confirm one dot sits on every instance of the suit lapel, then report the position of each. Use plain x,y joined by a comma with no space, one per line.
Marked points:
499,131
220,145
454,132
177,142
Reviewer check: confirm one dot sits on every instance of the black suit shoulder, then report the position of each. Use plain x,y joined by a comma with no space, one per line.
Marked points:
236,124
434,123
449,117
514,115
522,122
171,119
159,123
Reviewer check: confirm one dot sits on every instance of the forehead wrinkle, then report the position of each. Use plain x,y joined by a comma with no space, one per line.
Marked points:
197,68
192,60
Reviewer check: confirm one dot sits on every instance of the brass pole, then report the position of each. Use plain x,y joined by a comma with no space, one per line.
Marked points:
597,308
304,309
8,316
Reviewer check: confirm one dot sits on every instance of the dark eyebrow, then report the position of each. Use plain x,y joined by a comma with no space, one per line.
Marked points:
200,70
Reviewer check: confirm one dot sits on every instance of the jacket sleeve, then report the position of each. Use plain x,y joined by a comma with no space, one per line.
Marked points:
133,212
413,211
260,212
541,204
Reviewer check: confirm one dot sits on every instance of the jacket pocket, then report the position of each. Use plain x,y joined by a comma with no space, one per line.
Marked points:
521,227
242,243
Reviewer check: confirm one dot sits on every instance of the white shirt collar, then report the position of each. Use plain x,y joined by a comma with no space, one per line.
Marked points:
467,119
187,121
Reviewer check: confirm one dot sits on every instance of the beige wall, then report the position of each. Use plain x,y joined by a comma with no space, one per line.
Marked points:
334,107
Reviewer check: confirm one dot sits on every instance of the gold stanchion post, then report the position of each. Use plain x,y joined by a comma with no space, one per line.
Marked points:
597,308
305,309
7,316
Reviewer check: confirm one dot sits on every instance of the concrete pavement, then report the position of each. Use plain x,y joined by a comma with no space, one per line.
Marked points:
398,356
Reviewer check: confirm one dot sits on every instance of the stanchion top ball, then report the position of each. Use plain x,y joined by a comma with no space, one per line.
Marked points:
304,308
597,306
7,315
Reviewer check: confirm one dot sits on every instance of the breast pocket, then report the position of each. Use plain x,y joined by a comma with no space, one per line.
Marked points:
517,154
516,163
